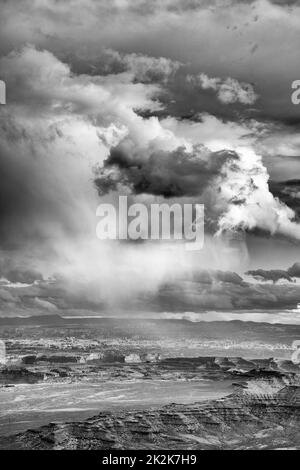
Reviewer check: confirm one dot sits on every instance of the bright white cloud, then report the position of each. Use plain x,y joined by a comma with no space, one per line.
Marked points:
228,90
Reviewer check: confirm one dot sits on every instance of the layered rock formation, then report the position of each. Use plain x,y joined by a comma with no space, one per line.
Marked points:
250,419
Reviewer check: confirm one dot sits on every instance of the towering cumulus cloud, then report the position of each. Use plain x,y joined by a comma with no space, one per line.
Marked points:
249,202
234,184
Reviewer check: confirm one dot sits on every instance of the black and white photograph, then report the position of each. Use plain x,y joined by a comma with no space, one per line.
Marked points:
149,228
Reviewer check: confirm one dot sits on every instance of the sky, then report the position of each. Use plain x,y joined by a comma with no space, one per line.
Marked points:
162,101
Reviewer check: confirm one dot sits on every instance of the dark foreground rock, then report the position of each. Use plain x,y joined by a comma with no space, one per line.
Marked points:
245,420
15,375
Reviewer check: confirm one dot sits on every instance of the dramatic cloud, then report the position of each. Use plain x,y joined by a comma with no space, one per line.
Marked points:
244,41
234,185
105,97
54,129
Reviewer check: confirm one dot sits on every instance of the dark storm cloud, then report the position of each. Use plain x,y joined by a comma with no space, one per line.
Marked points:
143,68
285,3
170,174
272,275
294,270
22,276
43,296
201,290
229,276
276,274
205,276
193,296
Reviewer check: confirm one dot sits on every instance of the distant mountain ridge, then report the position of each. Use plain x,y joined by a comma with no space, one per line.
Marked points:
222,333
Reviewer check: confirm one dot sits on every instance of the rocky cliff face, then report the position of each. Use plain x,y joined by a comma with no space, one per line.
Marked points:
148,366
247,419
